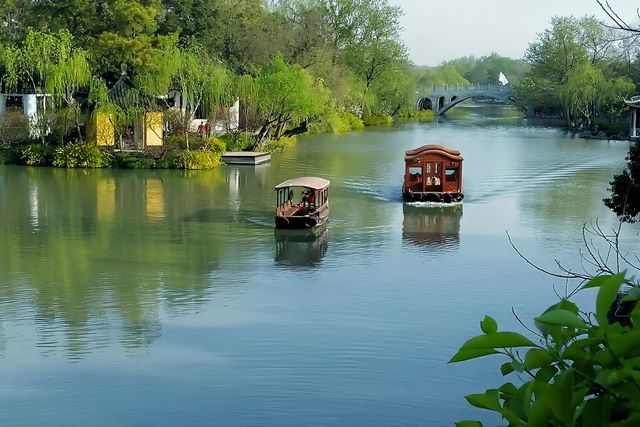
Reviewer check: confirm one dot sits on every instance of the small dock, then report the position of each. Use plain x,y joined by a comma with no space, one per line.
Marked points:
245,158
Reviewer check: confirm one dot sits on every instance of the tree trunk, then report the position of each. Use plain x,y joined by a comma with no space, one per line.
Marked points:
278,132
261,137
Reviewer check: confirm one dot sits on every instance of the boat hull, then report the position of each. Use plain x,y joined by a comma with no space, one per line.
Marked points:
301,222
432,196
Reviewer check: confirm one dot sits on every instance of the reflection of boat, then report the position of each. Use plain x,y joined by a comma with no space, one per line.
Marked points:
433,173
313,208
437,226
300,247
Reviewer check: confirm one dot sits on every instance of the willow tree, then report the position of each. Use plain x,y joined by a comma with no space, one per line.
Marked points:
51,65
9,60
70,74
286,93
581,93
587,91
203,84
39,55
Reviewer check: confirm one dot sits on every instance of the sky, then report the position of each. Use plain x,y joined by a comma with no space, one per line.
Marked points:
437,31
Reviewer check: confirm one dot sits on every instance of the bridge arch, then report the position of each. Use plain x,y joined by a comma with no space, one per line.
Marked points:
424,104
441,99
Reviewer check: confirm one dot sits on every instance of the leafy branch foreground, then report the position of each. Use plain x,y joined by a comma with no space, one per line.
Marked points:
584,368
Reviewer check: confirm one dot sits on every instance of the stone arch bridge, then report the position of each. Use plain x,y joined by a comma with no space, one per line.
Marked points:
441,99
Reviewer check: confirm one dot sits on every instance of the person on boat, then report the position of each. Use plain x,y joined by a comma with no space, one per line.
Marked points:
311,198
308,198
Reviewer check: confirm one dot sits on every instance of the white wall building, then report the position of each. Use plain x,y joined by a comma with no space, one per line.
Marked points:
222,124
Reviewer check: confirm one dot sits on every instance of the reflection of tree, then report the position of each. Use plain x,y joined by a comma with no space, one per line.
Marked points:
301,247
434,226
106,247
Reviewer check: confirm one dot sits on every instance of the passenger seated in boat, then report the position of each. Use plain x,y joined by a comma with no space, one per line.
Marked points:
308,199
311,198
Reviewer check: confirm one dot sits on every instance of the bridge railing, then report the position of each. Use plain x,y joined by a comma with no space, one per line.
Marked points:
470,86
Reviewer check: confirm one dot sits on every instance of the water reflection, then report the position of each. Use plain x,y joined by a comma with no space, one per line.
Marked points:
301,247
98,251
435,226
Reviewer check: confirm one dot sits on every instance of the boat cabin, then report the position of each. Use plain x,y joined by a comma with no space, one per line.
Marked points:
433,173
302,202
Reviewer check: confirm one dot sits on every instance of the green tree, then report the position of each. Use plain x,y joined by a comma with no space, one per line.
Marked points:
131,39
82,18
69,75
625,188
438,76
395,89
557,50
10,65
13,20
285,93
582,92
202,83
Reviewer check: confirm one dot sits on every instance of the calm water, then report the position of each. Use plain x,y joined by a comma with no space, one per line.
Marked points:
163,297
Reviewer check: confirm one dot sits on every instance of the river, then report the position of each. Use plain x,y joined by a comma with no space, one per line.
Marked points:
153,297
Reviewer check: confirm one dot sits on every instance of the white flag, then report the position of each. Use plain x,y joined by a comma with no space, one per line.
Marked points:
502,79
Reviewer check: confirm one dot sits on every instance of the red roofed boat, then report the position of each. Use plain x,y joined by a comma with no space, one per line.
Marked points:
433,173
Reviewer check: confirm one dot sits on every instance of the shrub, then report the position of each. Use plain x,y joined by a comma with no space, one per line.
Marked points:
355,123
279,145
420,115
168,160
37,154
377,120
81,156
238,141
175,141
336,121
213,144
14,127
196,159
11,155
133,161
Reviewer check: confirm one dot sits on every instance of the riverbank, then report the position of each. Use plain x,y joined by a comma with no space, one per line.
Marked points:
179,152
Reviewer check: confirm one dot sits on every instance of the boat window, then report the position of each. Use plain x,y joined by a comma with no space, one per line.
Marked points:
428,167
415,172
450,175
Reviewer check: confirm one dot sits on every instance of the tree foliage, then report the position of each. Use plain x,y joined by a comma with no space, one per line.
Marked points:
346,48
286,93
576,71
581,370
625,188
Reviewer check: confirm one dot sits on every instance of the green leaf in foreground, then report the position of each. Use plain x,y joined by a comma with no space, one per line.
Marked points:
463,355
562,318
497,340
489,325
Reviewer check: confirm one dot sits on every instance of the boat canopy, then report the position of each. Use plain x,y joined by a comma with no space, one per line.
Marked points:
305,181
439,150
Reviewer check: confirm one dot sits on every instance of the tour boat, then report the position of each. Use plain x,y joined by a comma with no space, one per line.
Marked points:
313,207
433,173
